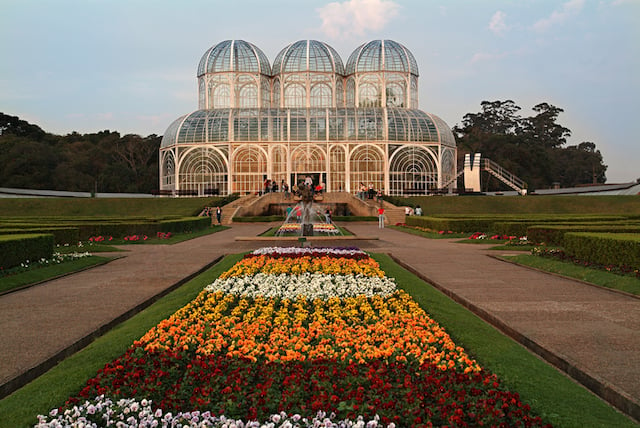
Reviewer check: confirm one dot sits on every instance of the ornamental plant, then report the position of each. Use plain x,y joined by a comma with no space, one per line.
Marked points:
297,331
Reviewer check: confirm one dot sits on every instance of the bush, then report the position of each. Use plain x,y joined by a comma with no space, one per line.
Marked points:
61,235
553,234
16,249
469,224
258,219
185,224
618,249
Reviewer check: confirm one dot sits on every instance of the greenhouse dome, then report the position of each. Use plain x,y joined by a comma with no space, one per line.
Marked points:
382,55
309,115
234,56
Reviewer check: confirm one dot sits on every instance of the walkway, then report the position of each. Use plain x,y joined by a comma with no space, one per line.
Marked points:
581,326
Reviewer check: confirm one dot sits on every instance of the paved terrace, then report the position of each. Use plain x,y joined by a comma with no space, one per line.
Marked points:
592,333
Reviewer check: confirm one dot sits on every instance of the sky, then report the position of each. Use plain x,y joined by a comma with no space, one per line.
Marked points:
130,65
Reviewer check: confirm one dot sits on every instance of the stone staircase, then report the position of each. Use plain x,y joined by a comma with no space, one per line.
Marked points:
230,210
254,205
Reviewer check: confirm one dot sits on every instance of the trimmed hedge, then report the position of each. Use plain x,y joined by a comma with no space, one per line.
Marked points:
618,249
454,224
553,234
61,235
16,249
258,219
74,229
185,224
149,227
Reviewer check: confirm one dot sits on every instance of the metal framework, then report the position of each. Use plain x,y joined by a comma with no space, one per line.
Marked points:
308,115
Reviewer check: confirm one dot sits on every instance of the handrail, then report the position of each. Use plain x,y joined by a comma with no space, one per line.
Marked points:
503,175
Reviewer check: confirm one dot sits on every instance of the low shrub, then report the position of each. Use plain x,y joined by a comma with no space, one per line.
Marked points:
553,234
61,235
258,219
619,249
184,224
469,224
16,249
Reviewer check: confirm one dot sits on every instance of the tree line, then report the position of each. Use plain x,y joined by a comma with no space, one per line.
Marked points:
533,148
104,161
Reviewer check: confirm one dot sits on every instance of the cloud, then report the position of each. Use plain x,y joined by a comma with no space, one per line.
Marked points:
484,56
497,25
568,9
356,17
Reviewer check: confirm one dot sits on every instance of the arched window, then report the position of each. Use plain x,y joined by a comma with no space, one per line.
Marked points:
295,95
367,167
395,95
337,176
412,170
249,170
368,95
203,170
320,95
248,96
220,97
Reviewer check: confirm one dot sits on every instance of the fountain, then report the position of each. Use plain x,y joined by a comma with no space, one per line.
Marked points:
305,218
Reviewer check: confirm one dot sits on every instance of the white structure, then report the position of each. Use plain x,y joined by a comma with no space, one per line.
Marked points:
307,115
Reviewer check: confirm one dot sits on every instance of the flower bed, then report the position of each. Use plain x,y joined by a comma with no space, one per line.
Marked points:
290,333
318,228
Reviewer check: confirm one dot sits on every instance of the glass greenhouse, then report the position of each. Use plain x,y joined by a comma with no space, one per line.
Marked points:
345,126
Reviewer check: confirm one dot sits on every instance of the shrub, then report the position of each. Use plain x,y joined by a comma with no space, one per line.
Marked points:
619,249
553,234
16,249
61,235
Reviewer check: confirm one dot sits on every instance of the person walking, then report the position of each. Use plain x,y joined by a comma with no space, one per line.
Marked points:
418,210
219,215
381,218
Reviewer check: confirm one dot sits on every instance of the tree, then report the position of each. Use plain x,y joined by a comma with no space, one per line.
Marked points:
542,128
531,148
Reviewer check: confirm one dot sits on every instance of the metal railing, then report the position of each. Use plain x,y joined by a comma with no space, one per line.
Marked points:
503,175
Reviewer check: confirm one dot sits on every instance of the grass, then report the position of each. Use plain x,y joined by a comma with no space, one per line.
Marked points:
507,247
538,204
599,277
50,390
551,394
106,207
430,235
39,274
174,239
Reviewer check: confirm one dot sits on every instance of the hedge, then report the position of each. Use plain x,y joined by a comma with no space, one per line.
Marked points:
74,229
469,224
61,235
618,249
553,234
16,249
149,227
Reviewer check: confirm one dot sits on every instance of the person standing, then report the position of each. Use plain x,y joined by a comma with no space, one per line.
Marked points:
380,218
418,210
219,215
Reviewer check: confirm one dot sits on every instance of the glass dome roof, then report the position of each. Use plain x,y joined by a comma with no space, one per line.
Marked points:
308,55
382,55
234,56
308,124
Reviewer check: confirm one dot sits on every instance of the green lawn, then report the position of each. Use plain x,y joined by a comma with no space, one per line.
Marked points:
551,394
599,277
430,235
46,273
